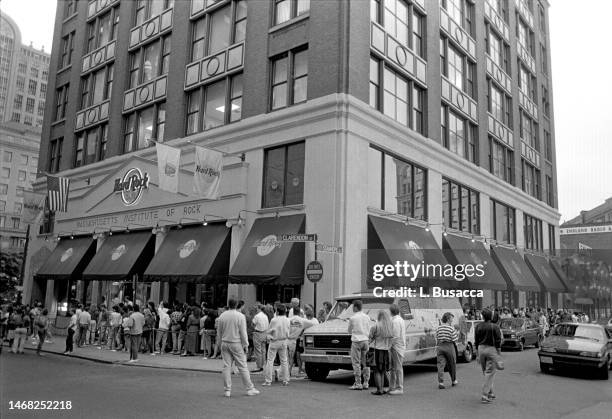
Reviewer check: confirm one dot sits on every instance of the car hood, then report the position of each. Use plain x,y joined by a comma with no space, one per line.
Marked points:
571,343
335,326
507,330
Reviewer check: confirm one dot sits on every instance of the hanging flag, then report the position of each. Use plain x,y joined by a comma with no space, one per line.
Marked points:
57,190
207,172
33,207
168,164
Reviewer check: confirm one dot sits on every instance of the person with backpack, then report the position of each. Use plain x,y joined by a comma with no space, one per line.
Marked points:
22,323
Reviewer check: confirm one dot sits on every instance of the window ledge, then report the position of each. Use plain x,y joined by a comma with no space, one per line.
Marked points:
272,210
289,22
58,122
68,18
66,68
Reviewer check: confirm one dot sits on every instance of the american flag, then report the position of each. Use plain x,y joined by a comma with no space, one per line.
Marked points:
57,190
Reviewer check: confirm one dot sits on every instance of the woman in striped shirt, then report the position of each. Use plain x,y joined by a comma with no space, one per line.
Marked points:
446,336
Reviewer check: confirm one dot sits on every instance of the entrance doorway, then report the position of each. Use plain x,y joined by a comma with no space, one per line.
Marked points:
269,294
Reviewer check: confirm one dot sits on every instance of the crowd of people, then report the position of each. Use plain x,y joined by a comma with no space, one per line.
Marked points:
20,322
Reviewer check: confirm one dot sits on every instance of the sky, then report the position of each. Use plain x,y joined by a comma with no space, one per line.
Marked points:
582,91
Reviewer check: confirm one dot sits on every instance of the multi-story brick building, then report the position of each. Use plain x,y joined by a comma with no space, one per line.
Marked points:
358,121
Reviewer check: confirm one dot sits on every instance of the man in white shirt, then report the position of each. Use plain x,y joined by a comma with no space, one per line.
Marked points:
83,319
398,346
297,324
162,331
260,327
359,328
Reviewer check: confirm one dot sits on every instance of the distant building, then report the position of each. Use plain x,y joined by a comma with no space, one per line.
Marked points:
24,71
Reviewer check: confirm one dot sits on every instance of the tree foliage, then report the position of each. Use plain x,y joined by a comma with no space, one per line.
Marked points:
10,269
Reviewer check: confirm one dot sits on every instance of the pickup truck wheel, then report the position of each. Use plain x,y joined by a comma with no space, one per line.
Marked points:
468,353
316,372
544,368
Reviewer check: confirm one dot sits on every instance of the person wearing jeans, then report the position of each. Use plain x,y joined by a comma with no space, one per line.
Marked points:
359,328
487,339
114,334
83,320
136,323
446,336
71,330
234,345
398,346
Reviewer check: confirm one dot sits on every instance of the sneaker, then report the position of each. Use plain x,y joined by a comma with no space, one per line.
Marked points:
366,386
441,386
253,392
396,392
285,383
132,360
455,383
152,354
157,352
485,400
267,384
491,396
227,394
113,350
356,387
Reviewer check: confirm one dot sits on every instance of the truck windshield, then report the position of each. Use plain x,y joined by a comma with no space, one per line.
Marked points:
510,323
343,309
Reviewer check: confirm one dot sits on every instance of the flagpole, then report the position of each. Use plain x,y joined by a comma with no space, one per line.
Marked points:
241,156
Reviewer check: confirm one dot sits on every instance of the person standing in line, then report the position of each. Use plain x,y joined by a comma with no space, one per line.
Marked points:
446,336
21,321
191,334
115,329
381,335
209,333
84,320
398,347
71,329
136,322
232,333
41,328
260,326
77,334
175,327
148,329
103,326
125,328
161,337
278,333
93,324
487,339
359,328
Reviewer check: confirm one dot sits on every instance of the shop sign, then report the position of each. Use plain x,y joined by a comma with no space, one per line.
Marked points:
187,248
118,252
586,230
66,255
131,186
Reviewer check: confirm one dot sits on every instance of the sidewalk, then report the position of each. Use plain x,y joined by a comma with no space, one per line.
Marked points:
167,361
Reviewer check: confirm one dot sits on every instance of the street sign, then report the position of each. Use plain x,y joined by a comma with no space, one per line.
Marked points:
296,237
329,249
314,271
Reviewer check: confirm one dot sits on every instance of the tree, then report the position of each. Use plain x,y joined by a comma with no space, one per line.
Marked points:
10,271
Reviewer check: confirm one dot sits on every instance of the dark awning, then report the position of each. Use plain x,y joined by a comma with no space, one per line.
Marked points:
514,269
561,275
464,251
544,273
391,241
192,254
121,256
68,259
264,260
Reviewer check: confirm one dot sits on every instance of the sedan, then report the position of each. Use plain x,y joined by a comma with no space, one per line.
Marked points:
578,345
518,333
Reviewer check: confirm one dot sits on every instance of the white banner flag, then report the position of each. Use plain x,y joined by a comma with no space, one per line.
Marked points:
207,172
168,164
33,207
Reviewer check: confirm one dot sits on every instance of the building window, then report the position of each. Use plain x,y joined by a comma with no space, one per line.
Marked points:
497,49
527,82
552,241
284,175
22,67
402,99
67,49
150,61
459,135
22,175
16,117
70,8
45,75
90,145
460,207
550,193
531,180
525,35
20,83
285,10
503,225
7,157
41,108
15,222
457,68
29,105
18,207
55,154
18,102
289,78
43,90
545,102
23,159
216,31
208,105
146,9
533,233
6,172
144,125
2,205
103,29
462,12
27,120
97,86
2,221
501,161
61,101
32,86
3,189
396,186
499,104
528,130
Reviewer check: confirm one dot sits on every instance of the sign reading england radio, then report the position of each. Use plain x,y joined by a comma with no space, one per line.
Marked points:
131,186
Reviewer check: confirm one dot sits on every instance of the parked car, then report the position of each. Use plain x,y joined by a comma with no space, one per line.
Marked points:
578,345
518,333
468,345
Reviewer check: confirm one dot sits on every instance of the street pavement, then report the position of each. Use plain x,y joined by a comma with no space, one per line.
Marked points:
118,390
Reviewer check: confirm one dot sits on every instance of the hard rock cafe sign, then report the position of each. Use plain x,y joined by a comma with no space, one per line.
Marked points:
131,185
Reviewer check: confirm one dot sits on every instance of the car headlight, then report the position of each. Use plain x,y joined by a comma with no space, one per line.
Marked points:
309,340
513,336
549,350
590,354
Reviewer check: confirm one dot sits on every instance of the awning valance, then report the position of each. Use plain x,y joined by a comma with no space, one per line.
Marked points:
464,251
68,259
192,254
265,260
121,256
514,269
543,272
